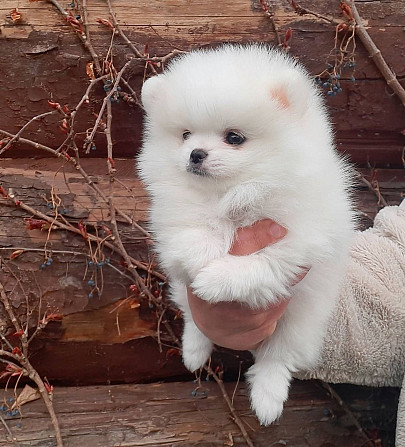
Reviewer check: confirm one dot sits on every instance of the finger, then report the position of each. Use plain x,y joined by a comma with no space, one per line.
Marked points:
269,332
251,239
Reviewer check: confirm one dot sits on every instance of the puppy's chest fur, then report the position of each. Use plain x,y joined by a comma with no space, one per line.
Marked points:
223,213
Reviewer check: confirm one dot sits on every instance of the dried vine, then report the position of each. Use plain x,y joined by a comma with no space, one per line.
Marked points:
100,70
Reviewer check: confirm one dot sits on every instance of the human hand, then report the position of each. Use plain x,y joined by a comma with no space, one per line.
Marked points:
234,325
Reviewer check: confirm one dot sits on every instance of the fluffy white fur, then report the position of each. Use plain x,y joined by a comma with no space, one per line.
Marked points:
286,169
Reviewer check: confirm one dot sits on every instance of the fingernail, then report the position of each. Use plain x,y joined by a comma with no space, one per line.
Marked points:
277,231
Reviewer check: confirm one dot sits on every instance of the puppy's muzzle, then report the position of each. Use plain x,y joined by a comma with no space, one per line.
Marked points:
197,156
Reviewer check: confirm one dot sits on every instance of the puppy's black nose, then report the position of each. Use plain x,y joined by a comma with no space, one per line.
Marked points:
197,156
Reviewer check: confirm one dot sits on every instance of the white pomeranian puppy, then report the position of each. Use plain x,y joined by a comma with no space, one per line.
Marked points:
234,135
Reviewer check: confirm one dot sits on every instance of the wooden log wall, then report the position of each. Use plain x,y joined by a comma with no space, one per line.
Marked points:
41,59
165,415
107,337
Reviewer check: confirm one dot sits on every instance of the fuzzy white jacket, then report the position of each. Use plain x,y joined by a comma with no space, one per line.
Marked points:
365,343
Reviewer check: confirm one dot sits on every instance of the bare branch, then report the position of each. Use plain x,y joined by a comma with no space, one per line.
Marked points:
376,55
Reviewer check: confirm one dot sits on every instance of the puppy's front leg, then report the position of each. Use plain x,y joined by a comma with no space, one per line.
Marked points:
257,279
196,346
243,204
268,381
185,252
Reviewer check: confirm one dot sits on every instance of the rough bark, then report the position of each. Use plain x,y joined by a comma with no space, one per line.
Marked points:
48,62
169,415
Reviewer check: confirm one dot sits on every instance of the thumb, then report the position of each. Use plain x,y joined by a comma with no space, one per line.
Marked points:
251,239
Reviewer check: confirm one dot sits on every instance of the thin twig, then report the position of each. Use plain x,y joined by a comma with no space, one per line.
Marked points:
78,167
305,11
27,368
18,134
59,7
376,55
376,191
347,410
113,90
87,42
13,439
232,410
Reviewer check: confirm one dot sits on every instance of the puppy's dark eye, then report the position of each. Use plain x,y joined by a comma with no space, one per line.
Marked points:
234,138
186,134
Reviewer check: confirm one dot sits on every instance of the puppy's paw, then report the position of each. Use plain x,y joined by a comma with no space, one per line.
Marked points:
268,392
195,357
245,279
212,283
244,203
197,347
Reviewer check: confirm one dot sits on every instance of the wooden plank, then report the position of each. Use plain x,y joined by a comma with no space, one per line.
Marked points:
101,350
168,415
47,58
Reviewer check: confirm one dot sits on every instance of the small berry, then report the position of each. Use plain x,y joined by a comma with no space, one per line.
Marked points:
90,295
194,393
118,88
326,84
108,81
3,408
43,266
150,306
93,147
8,413
91,282
100,264
78,17
352,78
19,425
14,412
107,261
91,263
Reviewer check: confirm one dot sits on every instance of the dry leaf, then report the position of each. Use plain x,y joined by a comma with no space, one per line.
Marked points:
229,441
28,394
15,15
90,70
16,253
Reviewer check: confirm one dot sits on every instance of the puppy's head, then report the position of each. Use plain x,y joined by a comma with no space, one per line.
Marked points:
228,113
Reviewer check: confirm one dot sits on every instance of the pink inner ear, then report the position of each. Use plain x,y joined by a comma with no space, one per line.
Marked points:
280,95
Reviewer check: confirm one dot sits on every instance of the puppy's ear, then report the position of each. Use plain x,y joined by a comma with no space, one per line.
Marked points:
292,93
152,92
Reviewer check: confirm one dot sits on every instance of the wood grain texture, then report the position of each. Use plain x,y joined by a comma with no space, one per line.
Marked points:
168,415
101,339
47,61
